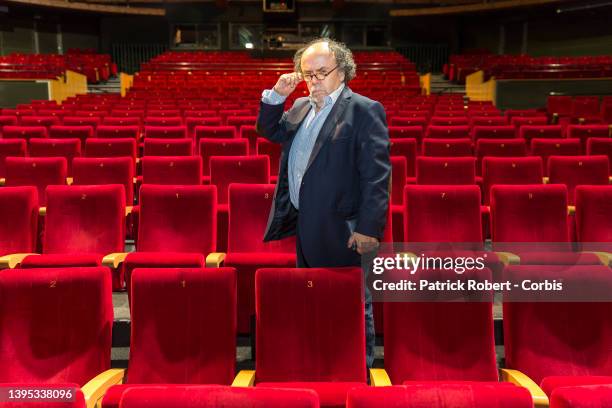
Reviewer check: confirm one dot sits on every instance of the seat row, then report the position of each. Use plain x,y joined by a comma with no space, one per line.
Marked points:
183,331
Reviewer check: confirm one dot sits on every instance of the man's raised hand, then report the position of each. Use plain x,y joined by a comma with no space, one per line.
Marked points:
287,83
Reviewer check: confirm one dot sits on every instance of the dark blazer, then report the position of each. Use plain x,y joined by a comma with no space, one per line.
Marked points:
346,182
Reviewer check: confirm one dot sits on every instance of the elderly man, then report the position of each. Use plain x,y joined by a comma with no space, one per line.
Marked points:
332,190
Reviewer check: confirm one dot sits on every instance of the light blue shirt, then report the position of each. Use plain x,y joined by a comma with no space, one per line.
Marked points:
304,140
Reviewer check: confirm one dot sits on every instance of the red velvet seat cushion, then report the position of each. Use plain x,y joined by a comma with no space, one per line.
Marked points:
331,394
592,396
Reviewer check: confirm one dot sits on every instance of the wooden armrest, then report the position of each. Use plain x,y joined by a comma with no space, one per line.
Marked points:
95,389
114,260
215,259
571,209
137,160
12,260
545,180
516,377
379,378
42,211
609,180
69,181
508,258
245,378
2,181
128,210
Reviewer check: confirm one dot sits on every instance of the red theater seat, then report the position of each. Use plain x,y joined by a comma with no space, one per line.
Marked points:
168,147
528,132
10,148
122,147
24,132
447,132
239,121
165,132
594,214
537,341
403,132
162,121
585,132
406,148
519,122
176,227
510,170
93,121
273,150
195,333
69,132
66,148
442,214
447,147
40,121
238,169
172,170
498,148
457,395
101,171
554,147
33,325
214,132
600,146
216,396
19,221
220,147
578,170
249,206
488,121
122,132
82,225
299,341
39,172
192,123
445,170
493,132
249,133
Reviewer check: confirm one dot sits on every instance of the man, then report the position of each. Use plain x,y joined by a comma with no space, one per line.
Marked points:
332,189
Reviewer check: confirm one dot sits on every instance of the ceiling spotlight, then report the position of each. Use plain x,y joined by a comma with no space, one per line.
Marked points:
248,46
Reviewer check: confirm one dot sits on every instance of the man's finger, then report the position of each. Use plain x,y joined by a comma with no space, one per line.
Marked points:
351,241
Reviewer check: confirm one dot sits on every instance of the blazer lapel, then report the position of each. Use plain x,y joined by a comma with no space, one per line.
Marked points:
296,116
327,130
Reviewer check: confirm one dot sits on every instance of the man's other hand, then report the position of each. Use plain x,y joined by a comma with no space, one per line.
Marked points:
287,83
362,243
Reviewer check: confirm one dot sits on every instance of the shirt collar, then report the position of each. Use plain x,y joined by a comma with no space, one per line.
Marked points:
329,99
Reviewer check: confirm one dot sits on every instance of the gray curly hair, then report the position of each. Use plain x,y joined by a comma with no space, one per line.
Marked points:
344,57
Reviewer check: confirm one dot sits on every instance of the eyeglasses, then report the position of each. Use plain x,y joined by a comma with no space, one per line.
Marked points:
320,76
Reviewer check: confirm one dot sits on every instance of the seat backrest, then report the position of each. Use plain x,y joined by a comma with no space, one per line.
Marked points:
111,170
194,339
221,147
582,396
594,214
165,132
168,147
481,120
398,179
447,132
585,132
270,149
529,213
122,147
238,169
118,132
67,148
211,396
406,148
24,132
537,339
442,214
34,306
172,170
189,221
402,132
446,170
80,132
249,205
36,171
441,340
529,132
578,170
10,148
510,170
559,104
498,148
493,132
18,219
85,219
163,121
214,132
554,147
441,395
447,147
93,121
600,146
299,309
40,121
